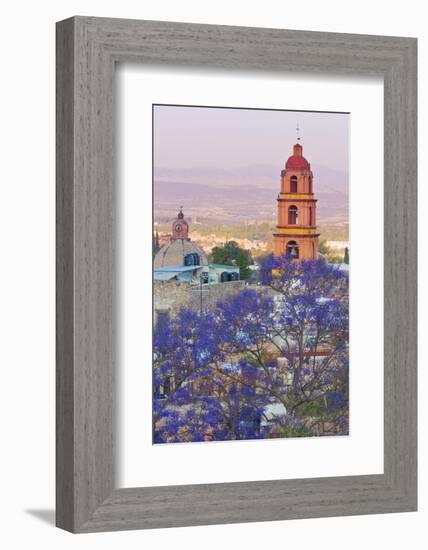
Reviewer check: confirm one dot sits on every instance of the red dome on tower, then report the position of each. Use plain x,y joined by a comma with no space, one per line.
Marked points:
297,161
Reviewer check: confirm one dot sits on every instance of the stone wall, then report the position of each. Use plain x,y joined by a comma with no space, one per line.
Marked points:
170,296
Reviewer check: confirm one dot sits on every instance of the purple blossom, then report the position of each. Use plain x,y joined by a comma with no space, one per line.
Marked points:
284,342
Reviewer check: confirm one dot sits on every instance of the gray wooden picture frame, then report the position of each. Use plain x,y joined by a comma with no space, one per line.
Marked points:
87,51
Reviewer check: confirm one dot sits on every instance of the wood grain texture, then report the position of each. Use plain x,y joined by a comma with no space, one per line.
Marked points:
87,50
64,277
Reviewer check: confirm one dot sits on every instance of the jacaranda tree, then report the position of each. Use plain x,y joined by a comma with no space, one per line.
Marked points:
311,334
271,361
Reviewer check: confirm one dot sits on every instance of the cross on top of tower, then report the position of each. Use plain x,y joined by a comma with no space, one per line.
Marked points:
298,132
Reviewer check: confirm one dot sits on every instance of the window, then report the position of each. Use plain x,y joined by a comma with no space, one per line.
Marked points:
192,259
293,184
225,277
311,216
310,185
292,215
293,249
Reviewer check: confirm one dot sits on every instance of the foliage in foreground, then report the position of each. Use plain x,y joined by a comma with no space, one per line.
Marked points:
272,361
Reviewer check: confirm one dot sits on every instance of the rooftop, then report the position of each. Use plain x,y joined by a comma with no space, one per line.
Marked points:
222,266
168,272
177,268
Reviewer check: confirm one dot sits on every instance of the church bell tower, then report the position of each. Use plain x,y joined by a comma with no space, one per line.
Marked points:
180,227
296,233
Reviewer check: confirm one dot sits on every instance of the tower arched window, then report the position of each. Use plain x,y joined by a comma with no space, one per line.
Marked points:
292,215
293,249
310,184
293,184
192,259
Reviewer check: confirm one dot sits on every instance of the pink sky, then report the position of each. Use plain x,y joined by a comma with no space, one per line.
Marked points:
189,137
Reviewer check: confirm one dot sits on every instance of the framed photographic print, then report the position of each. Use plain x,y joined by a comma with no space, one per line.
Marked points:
236,274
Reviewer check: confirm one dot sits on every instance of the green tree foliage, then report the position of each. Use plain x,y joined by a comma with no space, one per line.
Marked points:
323,248
329,254
335,259
156,245
232,254
346,256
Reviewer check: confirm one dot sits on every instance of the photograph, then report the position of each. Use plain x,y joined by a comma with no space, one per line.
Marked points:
251,263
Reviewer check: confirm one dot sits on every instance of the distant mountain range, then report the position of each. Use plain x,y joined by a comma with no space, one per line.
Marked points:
248,193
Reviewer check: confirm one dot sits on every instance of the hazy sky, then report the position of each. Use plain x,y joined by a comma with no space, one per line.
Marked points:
189,137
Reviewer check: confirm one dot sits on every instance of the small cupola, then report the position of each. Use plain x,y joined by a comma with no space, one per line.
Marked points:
297,161
180,227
